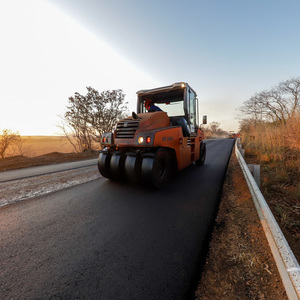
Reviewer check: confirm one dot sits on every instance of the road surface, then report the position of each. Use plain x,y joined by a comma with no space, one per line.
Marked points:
109,240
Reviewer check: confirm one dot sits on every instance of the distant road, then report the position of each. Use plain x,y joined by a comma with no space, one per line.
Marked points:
42,170
112,240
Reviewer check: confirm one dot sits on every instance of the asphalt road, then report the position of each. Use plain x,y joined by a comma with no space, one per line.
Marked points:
109,240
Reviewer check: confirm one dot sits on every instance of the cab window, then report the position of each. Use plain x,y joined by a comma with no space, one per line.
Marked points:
191,106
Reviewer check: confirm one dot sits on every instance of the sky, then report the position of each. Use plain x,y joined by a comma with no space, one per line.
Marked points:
227,50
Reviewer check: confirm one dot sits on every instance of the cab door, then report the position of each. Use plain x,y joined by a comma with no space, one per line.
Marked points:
192,110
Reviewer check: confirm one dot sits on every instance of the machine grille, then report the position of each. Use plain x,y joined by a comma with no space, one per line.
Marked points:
126,129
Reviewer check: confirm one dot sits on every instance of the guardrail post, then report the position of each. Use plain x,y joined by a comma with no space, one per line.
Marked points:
242,152
255,171
256,174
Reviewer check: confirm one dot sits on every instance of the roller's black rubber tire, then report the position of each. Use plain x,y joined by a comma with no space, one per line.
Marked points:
146,170
104,164
117,163
133,169
202,157
157,171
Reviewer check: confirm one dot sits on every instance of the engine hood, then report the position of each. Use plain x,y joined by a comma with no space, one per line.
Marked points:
152,120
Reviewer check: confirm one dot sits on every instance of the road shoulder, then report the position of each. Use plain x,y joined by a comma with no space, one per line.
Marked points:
239,263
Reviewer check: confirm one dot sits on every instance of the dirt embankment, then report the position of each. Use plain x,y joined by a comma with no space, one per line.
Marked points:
239,264
18,162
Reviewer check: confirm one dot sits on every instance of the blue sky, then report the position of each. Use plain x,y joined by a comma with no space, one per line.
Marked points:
226,50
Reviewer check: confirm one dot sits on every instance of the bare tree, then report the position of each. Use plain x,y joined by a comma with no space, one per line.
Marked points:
214,127
87,117
274,105
72,135
76,119
105,110
8,139
252,109
278,104
291,91
213,130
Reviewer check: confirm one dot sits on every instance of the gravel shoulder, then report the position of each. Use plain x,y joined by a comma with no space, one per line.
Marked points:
23,189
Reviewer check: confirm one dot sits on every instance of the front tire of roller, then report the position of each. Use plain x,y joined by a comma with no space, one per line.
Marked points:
133,168
104,164
117,162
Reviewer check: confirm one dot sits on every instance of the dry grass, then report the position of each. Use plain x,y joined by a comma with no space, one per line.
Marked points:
277,148
274,141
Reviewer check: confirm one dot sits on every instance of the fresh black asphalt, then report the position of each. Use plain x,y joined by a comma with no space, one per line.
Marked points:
110,240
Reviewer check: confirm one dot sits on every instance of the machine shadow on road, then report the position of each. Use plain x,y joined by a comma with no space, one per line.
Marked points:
184,179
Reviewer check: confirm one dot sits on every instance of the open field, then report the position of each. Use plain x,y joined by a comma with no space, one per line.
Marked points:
43,150
39,145
31,146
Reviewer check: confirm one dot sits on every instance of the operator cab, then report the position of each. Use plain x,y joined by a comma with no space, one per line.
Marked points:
178,100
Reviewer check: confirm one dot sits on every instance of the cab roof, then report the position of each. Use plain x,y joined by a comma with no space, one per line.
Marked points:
164,89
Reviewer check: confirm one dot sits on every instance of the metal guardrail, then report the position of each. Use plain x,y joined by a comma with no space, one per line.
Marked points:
286,262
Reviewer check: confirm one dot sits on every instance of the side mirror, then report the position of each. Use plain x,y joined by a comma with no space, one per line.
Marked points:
204,120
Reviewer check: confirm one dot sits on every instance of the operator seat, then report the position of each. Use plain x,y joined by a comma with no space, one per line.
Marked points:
181,121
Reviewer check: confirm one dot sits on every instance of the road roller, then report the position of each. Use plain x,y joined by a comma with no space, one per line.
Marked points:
161,138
